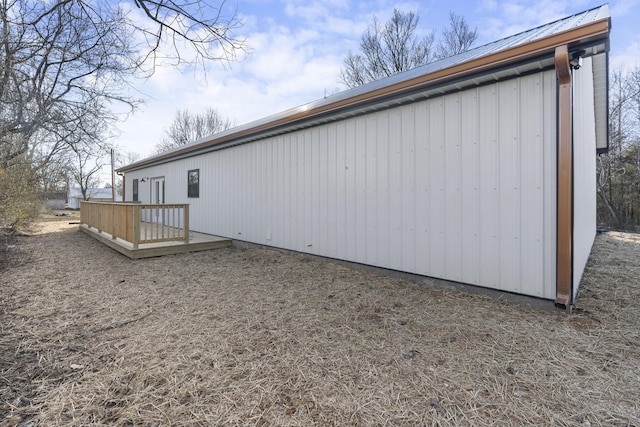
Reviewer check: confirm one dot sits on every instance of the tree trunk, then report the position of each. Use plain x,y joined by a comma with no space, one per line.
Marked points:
610,208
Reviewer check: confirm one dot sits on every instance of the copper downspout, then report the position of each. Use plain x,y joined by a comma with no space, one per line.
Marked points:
564,294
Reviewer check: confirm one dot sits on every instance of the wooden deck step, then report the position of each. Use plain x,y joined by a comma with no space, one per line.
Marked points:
197,242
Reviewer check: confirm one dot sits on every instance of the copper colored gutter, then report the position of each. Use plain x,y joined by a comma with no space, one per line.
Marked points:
564,236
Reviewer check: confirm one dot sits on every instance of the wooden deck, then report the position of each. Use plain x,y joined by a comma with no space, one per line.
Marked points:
197,242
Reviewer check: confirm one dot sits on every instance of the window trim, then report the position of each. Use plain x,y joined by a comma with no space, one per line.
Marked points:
193,184
135,194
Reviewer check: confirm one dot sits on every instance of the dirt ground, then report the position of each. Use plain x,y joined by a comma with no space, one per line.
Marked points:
256,337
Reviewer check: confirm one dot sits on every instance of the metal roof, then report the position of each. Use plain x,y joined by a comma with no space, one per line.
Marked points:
514,55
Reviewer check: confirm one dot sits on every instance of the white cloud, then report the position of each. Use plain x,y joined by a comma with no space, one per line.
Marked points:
287,67
628,58
314,11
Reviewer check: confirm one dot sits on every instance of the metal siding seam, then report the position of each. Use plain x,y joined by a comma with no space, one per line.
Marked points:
407,187
422,193
253,216
266,184
312,212
436,185
508,187
292,176
245,224
337,184
323,238
298,239
243,192
488,185
333,207
290,200
227,177
371,190
260,208
308,189
271,171
269,183
395,207
319,196
532,200
348,196
345,168
340,178
470,165
273,190
383,189
279,217
452,197
360,213
301,233
279,211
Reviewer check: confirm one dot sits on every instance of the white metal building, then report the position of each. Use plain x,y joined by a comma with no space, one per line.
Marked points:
478,169
74,196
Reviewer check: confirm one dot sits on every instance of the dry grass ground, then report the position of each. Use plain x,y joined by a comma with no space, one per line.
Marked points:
259,338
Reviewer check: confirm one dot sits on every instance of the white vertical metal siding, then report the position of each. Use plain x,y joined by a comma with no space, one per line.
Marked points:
584,169
460,187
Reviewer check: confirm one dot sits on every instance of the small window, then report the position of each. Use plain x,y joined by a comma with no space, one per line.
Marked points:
193,183
135,190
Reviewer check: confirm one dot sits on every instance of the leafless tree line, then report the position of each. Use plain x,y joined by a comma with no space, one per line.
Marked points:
618,183
66,65
189,126
396,46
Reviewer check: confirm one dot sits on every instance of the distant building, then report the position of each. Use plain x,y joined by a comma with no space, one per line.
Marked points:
74,196
55,199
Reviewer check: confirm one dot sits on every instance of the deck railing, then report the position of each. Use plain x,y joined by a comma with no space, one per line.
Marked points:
138,223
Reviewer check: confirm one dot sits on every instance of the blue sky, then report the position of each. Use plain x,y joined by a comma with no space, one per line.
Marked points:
298,47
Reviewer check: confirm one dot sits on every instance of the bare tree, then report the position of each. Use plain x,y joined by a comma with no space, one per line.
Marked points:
206,28
456,38
188,127
618,185
123,158
84,169
396,47
65,60
387,50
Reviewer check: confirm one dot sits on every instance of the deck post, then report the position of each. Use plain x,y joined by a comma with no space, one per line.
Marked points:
186,224
136,226
99,221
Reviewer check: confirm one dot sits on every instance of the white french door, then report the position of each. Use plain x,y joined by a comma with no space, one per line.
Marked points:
157,198
157,190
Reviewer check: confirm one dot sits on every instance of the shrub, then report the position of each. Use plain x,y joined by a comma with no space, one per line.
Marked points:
20,199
